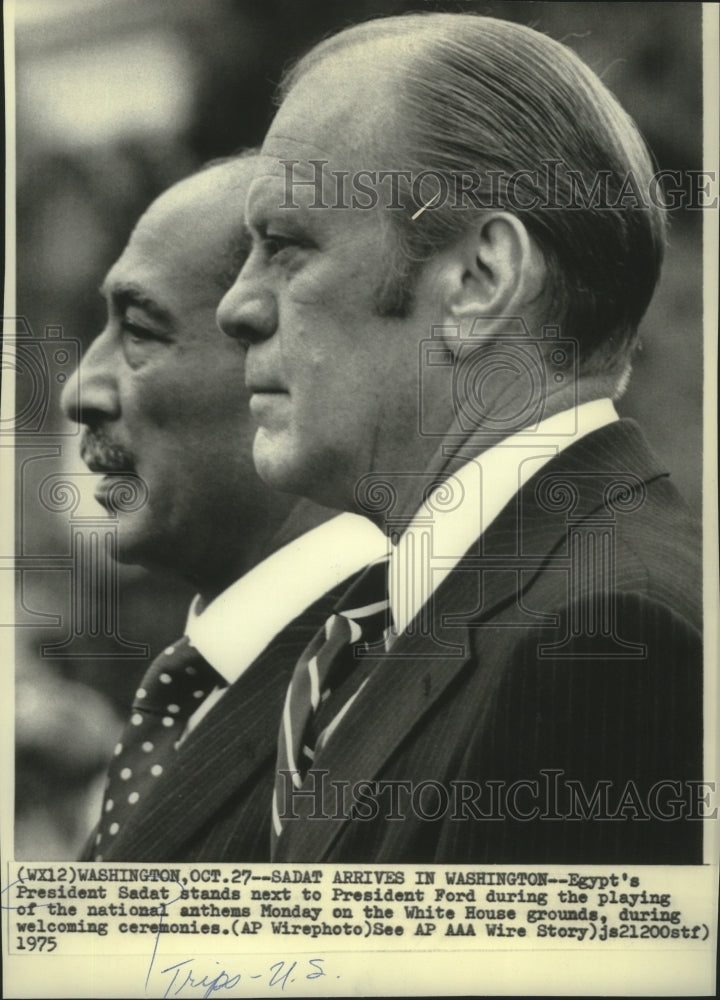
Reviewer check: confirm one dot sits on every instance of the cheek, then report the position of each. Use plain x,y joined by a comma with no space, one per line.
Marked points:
206,396
151,401
337,287
307,346
308,289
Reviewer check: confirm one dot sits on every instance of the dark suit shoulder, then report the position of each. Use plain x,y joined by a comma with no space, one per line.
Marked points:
605,516
665,539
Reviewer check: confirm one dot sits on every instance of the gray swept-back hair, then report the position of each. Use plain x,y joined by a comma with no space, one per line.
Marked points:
478,96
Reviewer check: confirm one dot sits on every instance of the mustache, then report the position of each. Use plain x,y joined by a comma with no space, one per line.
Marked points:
101,454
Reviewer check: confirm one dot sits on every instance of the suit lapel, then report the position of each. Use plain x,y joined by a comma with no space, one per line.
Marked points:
396,696
585,478
229,745
599,477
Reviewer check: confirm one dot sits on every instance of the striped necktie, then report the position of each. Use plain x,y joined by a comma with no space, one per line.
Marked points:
327,678
175,685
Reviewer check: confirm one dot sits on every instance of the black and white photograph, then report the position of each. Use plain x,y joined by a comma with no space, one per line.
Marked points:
359,498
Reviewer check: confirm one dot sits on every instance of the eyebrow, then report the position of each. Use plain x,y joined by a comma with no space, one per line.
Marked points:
127,293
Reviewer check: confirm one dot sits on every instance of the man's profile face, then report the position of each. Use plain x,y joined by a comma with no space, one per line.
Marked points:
333,384
161,390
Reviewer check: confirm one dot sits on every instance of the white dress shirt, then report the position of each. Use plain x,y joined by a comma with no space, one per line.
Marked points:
232,631
461,509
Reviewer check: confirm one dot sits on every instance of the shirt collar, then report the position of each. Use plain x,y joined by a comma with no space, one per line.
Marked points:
238,625
462,508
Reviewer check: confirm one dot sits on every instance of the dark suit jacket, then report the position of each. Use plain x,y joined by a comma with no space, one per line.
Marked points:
214,803
555,697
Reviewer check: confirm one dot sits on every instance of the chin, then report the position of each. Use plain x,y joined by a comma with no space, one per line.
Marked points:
277,476
280,471
135,544
134,555
273,461
310,476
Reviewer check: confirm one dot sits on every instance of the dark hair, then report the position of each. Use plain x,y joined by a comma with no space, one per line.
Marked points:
478,95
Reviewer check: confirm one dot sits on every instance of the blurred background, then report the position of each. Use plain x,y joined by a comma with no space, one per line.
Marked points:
116,100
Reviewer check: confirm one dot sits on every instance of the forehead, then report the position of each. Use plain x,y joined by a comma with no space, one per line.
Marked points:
341,109
189,243
335,120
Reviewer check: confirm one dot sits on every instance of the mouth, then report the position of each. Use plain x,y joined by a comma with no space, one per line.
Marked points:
101,454
264,386
103,468
266,389
109,485
264,401
107,459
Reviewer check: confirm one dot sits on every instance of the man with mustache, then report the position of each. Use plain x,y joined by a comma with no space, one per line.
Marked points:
161,394
437,326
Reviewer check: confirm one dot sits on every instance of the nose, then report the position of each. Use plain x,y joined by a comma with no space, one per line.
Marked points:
91,394
248,310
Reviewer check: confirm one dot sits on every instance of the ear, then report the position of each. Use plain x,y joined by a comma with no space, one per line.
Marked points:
495,271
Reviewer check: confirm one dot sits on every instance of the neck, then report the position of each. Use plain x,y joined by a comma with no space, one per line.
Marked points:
304,516
509,415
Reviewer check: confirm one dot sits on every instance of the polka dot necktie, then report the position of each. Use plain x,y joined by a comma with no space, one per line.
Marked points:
327,677
175,685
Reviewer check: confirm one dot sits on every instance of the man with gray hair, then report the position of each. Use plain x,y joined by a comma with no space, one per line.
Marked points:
454,240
